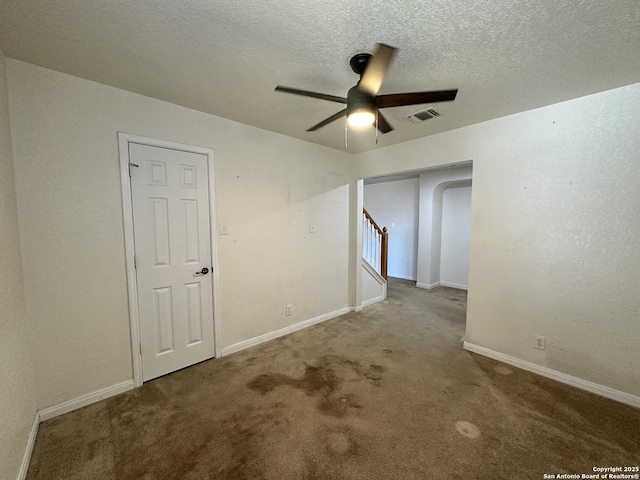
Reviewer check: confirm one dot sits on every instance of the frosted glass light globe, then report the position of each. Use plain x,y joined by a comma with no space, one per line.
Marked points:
362,118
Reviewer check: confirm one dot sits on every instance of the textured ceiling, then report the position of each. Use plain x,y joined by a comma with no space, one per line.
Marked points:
226,57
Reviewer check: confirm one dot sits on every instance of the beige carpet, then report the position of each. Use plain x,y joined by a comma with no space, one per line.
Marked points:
383,394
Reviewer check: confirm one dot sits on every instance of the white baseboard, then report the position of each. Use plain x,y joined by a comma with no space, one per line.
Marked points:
252,342
69,406
31,440
454,285
84,400
429,286
596,388
357,308
402,277
366,303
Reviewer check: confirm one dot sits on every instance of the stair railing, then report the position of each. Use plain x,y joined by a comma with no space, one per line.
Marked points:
375,244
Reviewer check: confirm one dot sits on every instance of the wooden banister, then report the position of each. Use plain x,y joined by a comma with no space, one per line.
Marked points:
373,222
384,243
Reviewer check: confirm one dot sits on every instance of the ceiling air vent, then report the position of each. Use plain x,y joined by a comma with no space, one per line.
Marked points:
423,115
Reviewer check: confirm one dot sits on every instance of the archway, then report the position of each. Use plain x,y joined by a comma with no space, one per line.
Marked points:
436,253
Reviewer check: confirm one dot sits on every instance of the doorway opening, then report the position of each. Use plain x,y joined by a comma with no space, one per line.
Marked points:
428,217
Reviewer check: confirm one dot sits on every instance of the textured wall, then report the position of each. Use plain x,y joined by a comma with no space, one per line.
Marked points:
456,226
17,400
268,187
555,233
395,205
371,288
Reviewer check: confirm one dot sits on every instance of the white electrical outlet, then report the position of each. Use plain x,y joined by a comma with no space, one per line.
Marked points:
312,227
287,310
223,229
540,342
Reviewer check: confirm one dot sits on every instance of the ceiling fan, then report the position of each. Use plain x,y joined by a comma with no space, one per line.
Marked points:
363,102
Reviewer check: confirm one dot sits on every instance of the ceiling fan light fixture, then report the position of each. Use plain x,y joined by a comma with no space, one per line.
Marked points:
363,103
361,118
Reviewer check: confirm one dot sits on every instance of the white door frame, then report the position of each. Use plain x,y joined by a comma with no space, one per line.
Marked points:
124,139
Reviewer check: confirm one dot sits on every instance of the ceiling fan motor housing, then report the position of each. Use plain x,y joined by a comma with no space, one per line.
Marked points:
358,101
359,62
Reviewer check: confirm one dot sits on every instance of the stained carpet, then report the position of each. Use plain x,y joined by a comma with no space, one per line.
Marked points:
387,393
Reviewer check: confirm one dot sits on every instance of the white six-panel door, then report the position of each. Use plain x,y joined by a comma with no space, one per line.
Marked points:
170,195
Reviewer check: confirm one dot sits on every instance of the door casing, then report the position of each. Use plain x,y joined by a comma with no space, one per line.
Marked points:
124,139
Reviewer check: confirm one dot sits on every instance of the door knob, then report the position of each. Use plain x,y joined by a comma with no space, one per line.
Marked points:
204,271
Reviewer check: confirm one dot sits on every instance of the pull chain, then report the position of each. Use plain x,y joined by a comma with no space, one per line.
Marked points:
377,117
346,135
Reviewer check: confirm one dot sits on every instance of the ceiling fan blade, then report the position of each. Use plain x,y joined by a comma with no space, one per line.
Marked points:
415,98
383,125
327,121
377,67
306,93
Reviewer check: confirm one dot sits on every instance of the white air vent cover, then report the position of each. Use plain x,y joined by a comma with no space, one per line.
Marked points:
423,115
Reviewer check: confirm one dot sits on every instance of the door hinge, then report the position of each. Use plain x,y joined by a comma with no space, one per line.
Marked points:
132,165
140,347
135,263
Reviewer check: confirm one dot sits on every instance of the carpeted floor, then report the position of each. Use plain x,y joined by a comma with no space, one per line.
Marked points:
387,393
